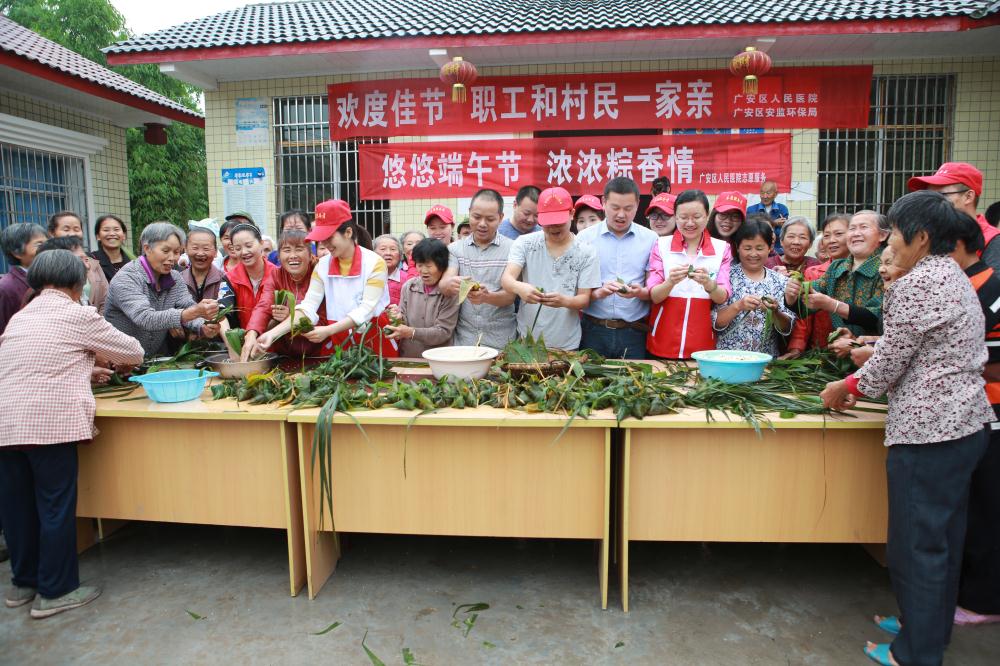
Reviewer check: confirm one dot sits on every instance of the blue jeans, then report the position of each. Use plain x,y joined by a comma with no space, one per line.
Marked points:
38,505
613,342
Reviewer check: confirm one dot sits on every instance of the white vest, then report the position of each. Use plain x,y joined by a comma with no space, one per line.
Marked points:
345,292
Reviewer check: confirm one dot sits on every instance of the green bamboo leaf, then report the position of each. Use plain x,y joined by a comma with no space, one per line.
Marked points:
327,630
371,655
194,616
488,645
470,608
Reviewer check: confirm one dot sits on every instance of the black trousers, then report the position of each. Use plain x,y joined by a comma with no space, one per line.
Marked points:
979,589
928,506
38,506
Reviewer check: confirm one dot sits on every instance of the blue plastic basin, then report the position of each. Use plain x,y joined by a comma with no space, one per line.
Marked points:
731,366
174,385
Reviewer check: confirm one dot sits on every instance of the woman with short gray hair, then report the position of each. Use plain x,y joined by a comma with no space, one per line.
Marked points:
797,237
20,243
39,433
148,299
390,249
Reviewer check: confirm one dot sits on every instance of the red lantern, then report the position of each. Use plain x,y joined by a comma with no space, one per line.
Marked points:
155,134
750,64
460,74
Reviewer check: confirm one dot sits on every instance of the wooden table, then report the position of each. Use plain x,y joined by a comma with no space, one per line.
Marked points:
203,461
810,480
471,472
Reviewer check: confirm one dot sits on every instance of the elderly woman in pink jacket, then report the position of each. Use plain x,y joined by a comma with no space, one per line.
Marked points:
38,437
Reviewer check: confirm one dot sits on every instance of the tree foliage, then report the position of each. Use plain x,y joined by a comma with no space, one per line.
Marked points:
165,182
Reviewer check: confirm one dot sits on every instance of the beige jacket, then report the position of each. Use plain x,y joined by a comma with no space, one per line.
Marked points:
433,316
98,285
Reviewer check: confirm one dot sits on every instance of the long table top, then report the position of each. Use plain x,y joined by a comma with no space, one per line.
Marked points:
222,410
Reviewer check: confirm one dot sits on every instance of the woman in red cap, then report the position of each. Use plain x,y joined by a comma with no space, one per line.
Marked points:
729,213
660,214
352,282
440,221
587,211
688,272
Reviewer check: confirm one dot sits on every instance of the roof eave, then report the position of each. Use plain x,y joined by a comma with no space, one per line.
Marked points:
60,77
748,30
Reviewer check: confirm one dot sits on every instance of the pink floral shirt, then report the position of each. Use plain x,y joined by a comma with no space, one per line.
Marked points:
930,359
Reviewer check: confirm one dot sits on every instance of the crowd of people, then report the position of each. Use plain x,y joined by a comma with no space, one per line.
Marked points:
896,293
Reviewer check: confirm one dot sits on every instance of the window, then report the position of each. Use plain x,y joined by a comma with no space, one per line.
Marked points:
310,168
35,183
909,132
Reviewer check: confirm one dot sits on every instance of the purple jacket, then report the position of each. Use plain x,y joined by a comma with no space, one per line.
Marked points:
13,287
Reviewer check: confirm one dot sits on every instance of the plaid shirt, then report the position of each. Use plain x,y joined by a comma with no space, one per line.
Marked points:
47,354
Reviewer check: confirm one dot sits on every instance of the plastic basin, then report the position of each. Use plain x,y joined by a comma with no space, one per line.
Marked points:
174,385
460,362
731,366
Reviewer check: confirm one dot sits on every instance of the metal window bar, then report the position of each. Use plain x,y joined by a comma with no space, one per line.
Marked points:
310,168
35,183
909,132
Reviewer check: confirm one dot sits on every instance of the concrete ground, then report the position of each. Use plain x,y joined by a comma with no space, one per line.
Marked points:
691,604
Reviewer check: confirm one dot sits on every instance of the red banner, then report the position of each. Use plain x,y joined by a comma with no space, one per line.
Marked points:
807,97
713,163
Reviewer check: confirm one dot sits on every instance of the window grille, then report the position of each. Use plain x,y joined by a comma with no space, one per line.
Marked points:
909,132
310,168
34,184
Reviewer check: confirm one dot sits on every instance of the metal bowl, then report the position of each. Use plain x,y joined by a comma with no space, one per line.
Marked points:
238,369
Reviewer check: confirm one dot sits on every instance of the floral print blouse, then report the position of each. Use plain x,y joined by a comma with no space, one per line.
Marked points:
746,331
861,289
930,359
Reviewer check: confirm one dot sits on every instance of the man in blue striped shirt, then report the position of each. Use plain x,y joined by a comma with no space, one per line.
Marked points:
614,324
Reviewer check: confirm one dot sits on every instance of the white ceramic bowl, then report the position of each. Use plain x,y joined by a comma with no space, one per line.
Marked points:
460,362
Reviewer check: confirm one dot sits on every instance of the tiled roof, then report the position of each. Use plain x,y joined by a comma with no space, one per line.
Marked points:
17,40
335,20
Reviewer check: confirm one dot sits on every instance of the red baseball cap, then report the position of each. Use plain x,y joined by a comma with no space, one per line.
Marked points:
950,173
662,202
330,214
555,206
437,210
727,201
588,201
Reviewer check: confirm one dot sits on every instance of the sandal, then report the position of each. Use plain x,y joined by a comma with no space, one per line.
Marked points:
879,654
889,624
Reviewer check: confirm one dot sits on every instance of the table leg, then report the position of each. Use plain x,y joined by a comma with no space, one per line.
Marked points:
293,510
605,541
623,516
107,526
322,547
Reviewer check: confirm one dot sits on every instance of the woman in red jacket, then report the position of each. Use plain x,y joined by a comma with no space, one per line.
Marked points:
247,277
296,265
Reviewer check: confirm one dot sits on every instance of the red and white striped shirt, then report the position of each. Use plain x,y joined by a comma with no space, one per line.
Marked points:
47,354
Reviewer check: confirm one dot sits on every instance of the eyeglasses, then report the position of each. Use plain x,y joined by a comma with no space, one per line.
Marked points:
954,192
658,217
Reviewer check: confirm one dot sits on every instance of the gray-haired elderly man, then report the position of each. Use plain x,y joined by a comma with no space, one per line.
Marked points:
147,298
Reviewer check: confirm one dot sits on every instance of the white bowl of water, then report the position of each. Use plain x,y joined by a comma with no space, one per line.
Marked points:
460,362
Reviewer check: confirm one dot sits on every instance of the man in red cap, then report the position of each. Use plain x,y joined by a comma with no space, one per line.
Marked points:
440,222
962,185
553,272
